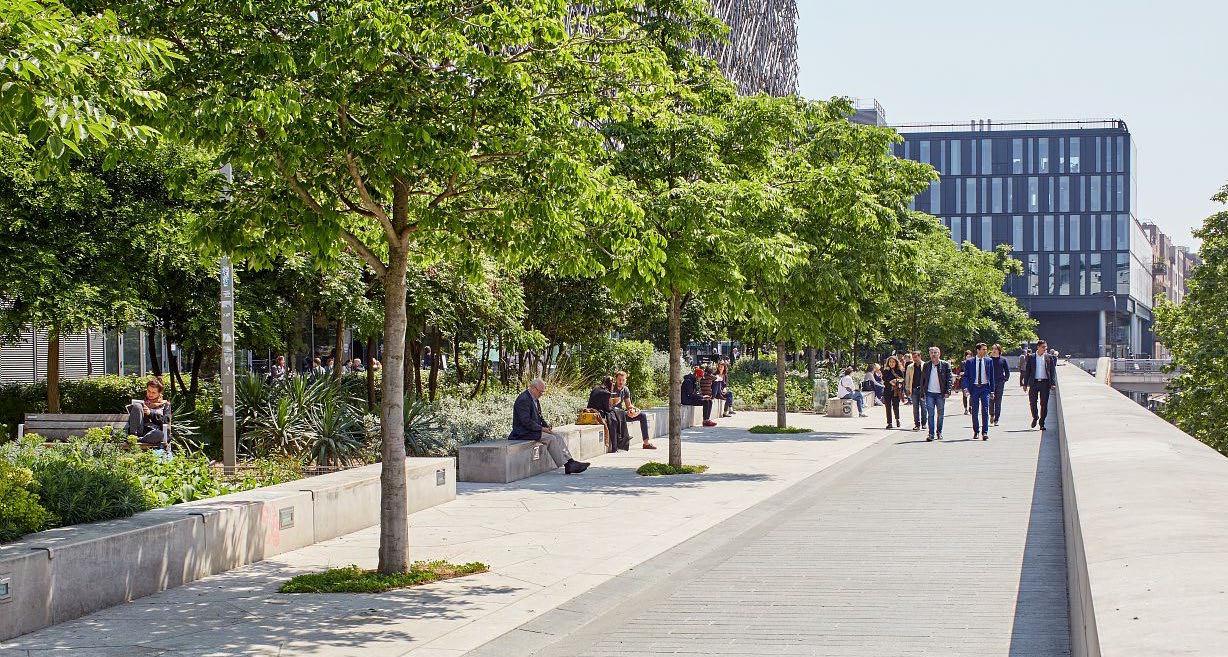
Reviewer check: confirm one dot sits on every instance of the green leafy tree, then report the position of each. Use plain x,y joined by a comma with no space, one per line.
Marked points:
66,78
1195,332
435,130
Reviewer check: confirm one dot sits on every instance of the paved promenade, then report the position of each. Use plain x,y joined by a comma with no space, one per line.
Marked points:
852,540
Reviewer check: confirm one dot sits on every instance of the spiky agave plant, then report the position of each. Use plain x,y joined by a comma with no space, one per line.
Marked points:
335,433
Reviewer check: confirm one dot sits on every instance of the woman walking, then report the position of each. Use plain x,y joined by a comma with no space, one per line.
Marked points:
893,387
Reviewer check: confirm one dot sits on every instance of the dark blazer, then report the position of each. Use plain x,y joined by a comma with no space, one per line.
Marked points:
969,374
599,399
527,421
1029,369
943,374
690,391
1002,368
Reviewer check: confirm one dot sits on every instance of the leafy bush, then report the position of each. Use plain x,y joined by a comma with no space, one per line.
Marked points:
20,512
87,491
635,357
745,369
771,428
353,579
655,469
660,377
759,392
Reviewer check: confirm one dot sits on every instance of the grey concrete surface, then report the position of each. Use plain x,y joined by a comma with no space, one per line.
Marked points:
945,548
1149,562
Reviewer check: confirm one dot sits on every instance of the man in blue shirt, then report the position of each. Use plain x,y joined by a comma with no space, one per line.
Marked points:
979,380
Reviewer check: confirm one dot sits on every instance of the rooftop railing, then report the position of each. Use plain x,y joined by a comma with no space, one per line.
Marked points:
987,125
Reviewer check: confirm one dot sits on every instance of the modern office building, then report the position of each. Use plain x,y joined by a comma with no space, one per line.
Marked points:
1172,266
1062,195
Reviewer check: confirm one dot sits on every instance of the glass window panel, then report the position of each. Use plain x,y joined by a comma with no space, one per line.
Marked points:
935,198
942,156
1051,273
959,196
968,230
1094,194
1010,194
986,234
1120,191
1061,149
1120,152
1082,289
1123,232
986,156
132,352
1017,233
1016,156
1033,194
956,145
1061,233
957,230
1074,155
1044,154
984,194
1064,194
1050,188
1048,232
1074,232
1035,233
1096,274
970,194
1033,278
997,195
1063,274
925,151
907,155
1123,273
1106,232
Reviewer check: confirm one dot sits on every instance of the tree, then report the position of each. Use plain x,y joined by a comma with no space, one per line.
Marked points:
68,244
1195,331
67,78
431,130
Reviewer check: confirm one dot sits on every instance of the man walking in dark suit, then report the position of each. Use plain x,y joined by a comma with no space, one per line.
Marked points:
936,384
528,424
1040,375
979,379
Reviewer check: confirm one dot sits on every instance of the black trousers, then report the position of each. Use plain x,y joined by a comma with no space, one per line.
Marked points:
892,403
620,433
1039,390
918,407
707,404
995,406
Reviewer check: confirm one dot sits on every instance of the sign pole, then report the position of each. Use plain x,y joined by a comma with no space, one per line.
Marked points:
229,441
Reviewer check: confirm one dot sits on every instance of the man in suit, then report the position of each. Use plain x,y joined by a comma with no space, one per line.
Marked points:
1040,376
979,380
528,424
936,383
914,392
1002,368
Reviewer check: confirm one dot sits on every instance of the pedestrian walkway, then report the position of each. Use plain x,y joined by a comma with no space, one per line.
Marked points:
946,548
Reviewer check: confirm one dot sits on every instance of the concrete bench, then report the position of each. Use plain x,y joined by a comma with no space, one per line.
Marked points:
65,573
841,407
62,426
505,461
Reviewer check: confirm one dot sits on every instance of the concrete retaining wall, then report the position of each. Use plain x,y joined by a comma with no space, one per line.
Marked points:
61,574
1146,510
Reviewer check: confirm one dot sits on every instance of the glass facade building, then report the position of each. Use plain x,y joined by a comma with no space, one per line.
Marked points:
1061,195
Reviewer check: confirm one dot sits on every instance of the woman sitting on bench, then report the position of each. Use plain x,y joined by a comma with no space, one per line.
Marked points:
150,419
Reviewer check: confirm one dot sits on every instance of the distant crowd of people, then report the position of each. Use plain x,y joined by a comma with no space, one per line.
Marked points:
317,367
981,377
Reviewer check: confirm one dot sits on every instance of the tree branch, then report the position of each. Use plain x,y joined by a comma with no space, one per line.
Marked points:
358,246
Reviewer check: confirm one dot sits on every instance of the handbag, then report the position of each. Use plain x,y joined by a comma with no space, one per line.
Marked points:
867,385
588,416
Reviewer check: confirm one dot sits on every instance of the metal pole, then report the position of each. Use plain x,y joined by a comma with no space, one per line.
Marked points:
229,442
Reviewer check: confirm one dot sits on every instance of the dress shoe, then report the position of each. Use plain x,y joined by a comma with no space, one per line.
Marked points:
575,467
709,423
1034,421
1042,427
916,427
984,436
929,439
649,446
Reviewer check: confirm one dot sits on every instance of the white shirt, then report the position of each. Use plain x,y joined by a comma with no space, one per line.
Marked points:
1040,372
935,386
981,378
846,385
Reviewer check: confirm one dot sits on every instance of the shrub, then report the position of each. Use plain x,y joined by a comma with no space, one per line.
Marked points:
635,357
744,369
20,512
353,579
78,492
654,469
771,428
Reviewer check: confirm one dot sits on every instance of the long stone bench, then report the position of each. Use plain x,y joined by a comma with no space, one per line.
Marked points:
505,461
61,574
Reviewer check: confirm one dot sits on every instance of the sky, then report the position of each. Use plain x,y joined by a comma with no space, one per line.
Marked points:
1160,65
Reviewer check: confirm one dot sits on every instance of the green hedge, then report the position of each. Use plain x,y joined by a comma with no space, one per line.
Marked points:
632,356
100,394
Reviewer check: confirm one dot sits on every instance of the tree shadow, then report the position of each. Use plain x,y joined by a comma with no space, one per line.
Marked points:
610,481
1042,606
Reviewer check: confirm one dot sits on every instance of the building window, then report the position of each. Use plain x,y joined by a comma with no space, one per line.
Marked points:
1123,274
1123,232
1082,274
1051,273
997,195
1048,232
1106,232
1094,199
986,156
1010,194
1016,156
1033,194
1044,154
1061,159
1074,232
1064,194
1120,190
957,230
970,195
1017,233
935,197
956,145
1095,274
1063,274
942,156
1033,278
986,234
1035,233
1074,155
1121,155
925,152
1050,187
1061,233
984,194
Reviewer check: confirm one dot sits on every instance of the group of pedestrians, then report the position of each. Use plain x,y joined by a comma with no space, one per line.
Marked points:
981,379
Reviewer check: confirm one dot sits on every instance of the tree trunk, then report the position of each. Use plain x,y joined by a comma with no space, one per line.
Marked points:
436,357
456,353
151,345
675,379
53,370
394,496
198,359
371,373
810,363
411,368
781,404
339,349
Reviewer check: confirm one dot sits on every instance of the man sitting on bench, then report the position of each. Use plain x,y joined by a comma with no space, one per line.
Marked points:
150,419
528,424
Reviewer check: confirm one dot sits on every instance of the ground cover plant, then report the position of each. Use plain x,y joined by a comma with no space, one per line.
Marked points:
352,579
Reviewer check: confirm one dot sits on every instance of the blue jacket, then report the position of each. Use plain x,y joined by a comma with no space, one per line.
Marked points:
527,421
1002,368
969,372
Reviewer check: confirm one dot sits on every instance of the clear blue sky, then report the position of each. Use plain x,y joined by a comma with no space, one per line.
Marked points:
1160,65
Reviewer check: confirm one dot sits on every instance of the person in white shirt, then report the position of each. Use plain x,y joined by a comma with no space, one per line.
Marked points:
936,382
979,378
846,389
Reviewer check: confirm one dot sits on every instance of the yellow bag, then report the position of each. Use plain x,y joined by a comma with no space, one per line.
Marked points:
588,416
